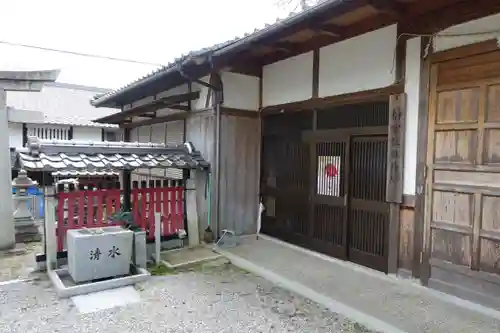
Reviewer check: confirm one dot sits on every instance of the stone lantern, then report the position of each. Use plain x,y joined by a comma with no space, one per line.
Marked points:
24,221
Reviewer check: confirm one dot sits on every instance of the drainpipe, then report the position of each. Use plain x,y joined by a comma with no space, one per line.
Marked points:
217,98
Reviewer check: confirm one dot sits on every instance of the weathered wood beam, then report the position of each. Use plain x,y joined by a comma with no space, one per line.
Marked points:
155,105
166,101
180,107
417,17
389,7
456,13
248,69
157,120
283,47
339,9
329,29
149,115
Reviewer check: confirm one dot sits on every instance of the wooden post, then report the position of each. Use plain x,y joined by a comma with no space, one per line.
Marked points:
157,238
192,211
395,161
50,230
127,178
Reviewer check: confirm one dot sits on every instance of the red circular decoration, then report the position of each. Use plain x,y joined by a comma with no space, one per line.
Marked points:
331,170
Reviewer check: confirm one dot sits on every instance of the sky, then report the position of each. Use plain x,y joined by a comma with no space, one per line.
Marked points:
152,31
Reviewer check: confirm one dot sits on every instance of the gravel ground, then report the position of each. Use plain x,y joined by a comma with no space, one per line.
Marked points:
210,298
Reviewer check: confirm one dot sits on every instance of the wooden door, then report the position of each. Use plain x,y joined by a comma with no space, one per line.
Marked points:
285,188
368,211
463,165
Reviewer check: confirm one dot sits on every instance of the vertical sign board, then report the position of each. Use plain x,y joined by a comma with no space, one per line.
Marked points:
395,149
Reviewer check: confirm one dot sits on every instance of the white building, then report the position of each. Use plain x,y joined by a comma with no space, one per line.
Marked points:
60,111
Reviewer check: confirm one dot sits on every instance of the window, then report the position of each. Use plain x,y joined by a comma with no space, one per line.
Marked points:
49,132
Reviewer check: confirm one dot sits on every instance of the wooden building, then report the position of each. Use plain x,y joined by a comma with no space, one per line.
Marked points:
368,129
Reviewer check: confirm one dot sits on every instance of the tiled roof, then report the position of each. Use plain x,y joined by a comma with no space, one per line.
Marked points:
84,173
208,51
61,155
74,121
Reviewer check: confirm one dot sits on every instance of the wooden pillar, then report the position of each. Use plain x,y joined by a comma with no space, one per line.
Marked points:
192,210
395,156
423,119
127,178
395,167
50,229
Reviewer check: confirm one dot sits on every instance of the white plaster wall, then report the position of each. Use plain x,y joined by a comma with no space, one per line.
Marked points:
412,86
15,135
361,63
486,24
241,91
87,133
287,81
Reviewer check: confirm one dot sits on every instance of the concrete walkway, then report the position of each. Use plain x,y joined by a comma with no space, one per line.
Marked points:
376,300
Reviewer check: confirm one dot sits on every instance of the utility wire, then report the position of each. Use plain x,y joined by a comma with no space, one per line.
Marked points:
89,55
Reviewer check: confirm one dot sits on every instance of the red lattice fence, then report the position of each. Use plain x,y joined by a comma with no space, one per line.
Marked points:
165,197
91,207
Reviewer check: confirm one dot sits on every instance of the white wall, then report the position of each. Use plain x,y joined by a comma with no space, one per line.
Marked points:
87,133
485,24
241,91
412,86
59,103
287,81
15,135
361,63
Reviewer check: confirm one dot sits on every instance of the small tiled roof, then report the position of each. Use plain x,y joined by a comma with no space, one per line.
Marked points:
84,173
74,121
207,52
60,155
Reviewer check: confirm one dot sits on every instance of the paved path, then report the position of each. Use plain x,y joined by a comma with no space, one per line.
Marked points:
214,298
372,298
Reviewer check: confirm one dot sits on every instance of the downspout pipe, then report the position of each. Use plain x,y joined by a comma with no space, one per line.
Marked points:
217,99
